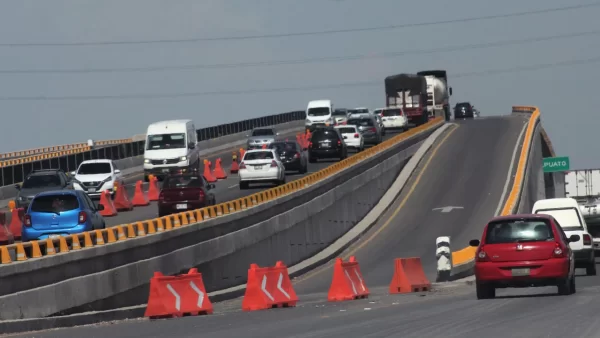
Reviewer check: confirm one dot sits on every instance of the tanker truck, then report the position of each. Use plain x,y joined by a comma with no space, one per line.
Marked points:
438,93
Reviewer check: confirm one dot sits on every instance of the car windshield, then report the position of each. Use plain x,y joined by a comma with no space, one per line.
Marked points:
568,218
361,122
263,132
182,181
54,203
463,106
166,141
515,231
258,155
339,112
94,168
319,111
41,181
392,112
283,146
347,130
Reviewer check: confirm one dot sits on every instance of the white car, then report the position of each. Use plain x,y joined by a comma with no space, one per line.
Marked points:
96,176
567,214
393,118
261,165
352,137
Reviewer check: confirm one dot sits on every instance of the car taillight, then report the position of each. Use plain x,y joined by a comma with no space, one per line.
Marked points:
481,256
310,144
201,197
273,164
356,135
373,130
339,142
242,165
587,239
558,251
297,155
161,196
82,217
27,220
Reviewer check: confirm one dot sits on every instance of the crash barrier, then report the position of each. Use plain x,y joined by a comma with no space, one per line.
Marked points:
347,282
268,288
37,249
177,296
13,171
58,149
462,261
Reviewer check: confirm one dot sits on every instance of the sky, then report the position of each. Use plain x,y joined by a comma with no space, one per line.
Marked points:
563,93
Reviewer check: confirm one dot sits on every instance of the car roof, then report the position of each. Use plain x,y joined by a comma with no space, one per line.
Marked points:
258,150
104,160
45,171
519,216
57,192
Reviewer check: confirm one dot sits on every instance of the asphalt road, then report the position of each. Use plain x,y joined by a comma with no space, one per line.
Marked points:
226,189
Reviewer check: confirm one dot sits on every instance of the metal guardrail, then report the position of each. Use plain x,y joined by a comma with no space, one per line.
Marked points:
14,171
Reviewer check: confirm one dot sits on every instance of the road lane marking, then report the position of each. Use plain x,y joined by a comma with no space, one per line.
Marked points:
394,214
510,169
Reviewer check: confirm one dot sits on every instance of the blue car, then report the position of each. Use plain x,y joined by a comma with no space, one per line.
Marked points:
61,213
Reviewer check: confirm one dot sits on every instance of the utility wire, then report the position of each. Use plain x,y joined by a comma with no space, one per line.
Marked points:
294,89
306,33
385,55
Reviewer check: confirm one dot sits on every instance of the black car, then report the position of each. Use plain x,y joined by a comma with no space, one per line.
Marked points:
39,181
292,155
463,110
326,143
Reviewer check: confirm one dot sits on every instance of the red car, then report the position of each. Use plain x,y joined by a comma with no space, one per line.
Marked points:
523,251
184,191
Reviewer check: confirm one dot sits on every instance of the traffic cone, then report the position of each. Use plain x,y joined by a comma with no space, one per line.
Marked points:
16,222
219,172
121,201
207,174
235,167
139,197
6,237
153,190
242,153
109,207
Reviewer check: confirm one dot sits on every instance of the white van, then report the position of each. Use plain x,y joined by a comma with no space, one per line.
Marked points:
171,146
319,113
566,212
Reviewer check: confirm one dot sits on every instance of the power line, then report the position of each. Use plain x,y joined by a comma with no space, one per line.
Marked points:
306,33
293,89
386,55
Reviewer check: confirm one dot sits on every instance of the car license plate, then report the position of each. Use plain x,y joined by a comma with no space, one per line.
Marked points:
92,190
258,167
181,206
520,272
165,170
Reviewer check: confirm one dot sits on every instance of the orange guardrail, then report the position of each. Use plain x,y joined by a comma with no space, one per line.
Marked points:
33,155
49,247
468,254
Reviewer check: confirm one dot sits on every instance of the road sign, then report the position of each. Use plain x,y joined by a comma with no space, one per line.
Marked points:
553,164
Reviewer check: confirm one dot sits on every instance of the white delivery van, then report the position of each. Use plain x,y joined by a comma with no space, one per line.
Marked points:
319,113
568,215
171,146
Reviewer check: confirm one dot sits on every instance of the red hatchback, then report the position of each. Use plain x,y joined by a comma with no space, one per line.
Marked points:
185,191
523,251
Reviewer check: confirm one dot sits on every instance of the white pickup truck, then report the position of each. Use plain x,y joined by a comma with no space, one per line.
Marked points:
584,186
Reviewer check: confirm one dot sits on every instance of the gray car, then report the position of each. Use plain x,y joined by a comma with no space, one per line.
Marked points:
368,127
40,181
340,115
260,136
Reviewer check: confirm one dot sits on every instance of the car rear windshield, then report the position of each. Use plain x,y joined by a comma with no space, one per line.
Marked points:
263,132
320,135
320,111
54,203
514,231
94,168
258,155
347,130
166,141
361,122
41,181
283,146
392,112
463,105
361,111
183,181
567,218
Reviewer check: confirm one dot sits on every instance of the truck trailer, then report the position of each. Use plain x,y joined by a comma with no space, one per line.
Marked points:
438,93
408,91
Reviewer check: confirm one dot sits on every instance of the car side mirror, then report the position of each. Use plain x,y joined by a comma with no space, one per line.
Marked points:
18,186
276,134
574,238
73,173
100,207
211,186
474,242
117,171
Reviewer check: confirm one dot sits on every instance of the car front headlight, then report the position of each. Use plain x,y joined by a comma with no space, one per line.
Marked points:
146,161
307,121
183,158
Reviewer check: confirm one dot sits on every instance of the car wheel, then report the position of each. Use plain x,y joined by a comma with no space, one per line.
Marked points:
485,291
590,270
573,288
243,185
564,287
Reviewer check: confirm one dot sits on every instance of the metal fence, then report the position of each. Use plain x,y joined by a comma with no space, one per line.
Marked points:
16,173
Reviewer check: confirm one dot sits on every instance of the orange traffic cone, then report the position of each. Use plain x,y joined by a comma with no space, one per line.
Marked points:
207,174
139,197
106,202
235,167
242,153
121,201
153,190
16,222
219,172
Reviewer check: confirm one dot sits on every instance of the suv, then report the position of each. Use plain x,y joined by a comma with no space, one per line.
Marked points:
368,127
260,137
39,181
463,110
326,143
96,176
